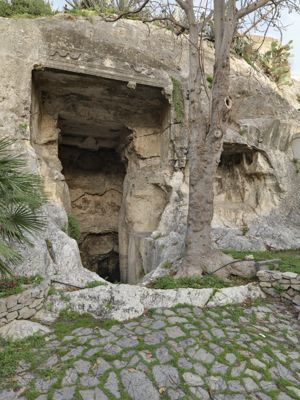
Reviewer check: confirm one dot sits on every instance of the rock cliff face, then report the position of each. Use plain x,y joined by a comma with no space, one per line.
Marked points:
90,105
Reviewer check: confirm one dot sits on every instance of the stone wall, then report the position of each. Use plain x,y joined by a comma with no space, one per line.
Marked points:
281,284
23,305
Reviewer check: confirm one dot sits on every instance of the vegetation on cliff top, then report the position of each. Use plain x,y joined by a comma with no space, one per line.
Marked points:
29,8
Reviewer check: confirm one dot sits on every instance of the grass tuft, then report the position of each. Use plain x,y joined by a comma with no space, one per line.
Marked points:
93,284
12,352
290,259
194,282
14,285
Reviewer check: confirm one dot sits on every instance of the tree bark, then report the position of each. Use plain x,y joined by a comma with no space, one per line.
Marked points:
206,143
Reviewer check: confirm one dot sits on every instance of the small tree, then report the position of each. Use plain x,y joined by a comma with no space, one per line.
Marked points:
21,196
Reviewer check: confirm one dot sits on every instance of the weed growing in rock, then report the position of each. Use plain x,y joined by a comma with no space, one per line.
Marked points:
93,284
73,228
177,100
209,79
278,288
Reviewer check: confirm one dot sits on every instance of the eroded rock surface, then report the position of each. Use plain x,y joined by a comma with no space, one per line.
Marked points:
124,302
21,329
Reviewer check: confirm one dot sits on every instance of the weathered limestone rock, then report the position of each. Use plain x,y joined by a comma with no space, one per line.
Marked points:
54,254
123,302
17,330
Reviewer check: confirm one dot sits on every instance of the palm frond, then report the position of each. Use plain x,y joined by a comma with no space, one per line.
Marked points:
8,258
21,196
18,219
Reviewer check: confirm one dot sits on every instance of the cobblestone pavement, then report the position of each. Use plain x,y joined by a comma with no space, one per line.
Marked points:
233,353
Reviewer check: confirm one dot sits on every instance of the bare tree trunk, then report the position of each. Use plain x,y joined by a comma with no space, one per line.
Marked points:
206,143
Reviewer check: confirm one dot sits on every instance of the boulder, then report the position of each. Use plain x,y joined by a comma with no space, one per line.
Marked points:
21,329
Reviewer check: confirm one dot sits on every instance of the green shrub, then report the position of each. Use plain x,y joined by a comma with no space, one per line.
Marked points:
275,62
33,8
243,47
73,229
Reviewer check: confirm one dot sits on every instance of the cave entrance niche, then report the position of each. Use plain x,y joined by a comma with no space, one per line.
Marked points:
82,128
245,186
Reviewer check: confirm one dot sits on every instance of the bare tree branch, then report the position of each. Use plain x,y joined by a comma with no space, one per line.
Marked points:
125,14
255,6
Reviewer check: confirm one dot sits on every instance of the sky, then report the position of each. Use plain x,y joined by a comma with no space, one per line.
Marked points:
292,32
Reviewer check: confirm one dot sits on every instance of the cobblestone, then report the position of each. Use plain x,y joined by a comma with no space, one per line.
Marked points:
156,357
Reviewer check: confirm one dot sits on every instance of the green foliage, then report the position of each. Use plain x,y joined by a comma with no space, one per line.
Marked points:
109,323
21,196
73,229
290,259
209,79
275,62
195,282
278,288
33,8
177,100
22,127
243,47
52,291
9,285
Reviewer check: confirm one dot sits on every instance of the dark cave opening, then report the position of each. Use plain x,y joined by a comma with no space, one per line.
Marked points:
95,181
